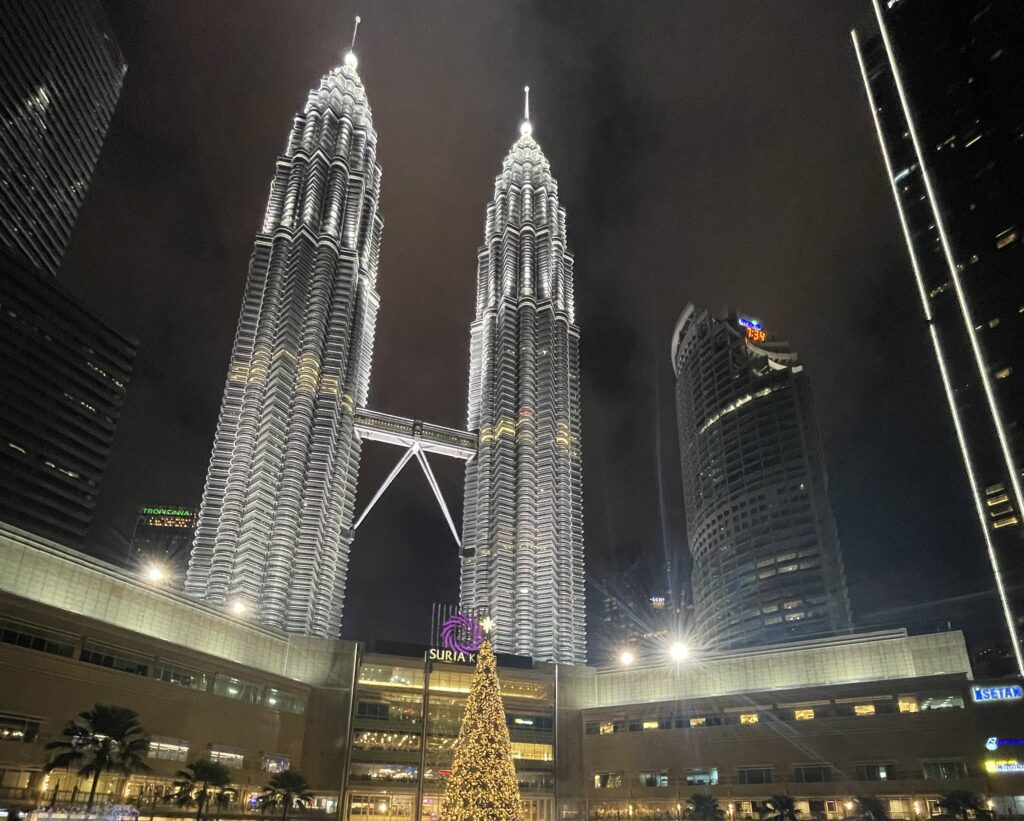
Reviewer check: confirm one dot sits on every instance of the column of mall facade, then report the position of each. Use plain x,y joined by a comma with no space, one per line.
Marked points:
522,557
275,526
943,82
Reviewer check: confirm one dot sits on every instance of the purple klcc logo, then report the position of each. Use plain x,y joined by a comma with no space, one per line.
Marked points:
462,634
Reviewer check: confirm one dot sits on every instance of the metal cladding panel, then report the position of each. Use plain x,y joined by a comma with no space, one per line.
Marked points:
275,525
522,558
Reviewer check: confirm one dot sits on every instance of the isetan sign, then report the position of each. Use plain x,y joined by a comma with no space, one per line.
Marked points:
997,692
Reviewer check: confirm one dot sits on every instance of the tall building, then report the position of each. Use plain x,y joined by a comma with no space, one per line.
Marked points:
60,77
522,547
766,561
275,523
63,374
163,533
943,81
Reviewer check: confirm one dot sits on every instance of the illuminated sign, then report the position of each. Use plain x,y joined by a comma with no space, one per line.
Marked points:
756,335
750,322
450,656
1006,692
994,743
1004,765
462,634
166,511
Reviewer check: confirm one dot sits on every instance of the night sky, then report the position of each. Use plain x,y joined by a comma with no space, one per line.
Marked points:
716,152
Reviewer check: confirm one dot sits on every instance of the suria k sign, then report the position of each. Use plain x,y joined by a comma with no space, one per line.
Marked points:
997,692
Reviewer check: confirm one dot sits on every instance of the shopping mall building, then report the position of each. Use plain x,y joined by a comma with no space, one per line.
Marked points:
884,714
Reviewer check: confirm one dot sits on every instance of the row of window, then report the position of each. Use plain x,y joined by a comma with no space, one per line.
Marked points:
173,749
935,770
34,637
876,706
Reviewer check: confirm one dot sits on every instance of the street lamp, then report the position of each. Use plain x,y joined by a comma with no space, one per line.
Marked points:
155,573
239,607
679,651
626,658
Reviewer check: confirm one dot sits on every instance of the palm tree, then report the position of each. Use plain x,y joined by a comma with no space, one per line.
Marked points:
201,781
104,739
781,808
288,789
872,808
705,808
964,804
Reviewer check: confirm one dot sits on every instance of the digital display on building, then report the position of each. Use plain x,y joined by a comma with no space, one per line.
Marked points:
755,331
997,692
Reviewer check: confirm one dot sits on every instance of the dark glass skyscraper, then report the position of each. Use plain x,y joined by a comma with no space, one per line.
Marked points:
522,546
275,524
60,77
766,561
945,86
63,374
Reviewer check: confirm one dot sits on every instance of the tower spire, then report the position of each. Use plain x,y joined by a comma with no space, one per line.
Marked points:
526,129
350,59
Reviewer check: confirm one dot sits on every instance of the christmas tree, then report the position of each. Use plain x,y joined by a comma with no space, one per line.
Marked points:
483,785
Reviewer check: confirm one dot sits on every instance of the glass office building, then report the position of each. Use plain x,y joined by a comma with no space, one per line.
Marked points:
64,374
943,83
766,560
61,74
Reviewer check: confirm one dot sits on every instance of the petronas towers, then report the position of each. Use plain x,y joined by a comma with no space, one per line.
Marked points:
277,519
275,525
522,546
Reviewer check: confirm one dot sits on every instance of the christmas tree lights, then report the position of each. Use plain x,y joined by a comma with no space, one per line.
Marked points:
483,785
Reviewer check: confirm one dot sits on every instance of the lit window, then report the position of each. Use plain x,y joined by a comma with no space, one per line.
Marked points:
532,751
997,500
607,781
1007,237
650,725
749,718
907,704
1002,374
167,749
228,758
1000,486
803,715
864,710
654,779
702,777
944,770
276,763
607,728
1007,522
698,722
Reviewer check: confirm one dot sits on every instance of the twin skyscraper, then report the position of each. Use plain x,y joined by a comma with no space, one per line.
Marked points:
277,519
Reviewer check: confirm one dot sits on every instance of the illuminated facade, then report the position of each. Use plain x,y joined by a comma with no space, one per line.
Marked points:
275,524
943,85
766,560
61,79
522,546
372,728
